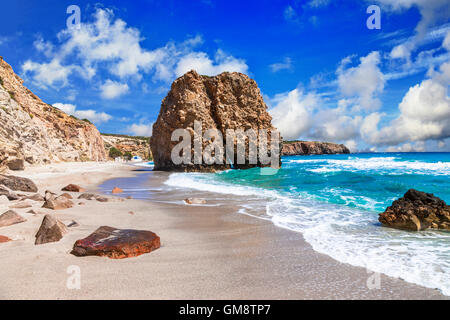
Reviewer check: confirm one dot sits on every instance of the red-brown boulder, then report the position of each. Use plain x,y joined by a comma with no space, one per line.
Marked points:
116,243
4,239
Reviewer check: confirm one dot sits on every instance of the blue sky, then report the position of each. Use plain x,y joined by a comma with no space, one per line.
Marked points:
323,73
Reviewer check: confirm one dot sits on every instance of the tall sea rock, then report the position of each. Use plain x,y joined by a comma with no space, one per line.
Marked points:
38,133
230,100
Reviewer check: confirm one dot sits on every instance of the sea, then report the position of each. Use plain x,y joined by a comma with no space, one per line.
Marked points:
334,202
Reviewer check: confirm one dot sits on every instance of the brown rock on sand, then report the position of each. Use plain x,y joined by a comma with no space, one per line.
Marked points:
117,190
18,183
16,164
417,211
195,201
87,196
10,217
21,205
34,197
4,239
66,195
51,230
59,203
116,243
230,100
73,188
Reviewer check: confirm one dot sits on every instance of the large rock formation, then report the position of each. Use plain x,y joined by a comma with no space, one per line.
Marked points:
32,131
295,148
417,211
116,243
226,101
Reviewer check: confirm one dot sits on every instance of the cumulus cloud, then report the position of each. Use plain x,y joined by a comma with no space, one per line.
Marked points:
432,12
285,65
109,44
291,112
424,113
362,82
48,74
200,62
111,89
91,115
141,129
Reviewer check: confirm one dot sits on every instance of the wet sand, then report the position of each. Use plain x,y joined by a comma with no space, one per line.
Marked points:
208,252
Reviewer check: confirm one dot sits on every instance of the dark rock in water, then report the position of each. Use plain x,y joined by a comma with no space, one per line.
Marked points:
73,188
16,164
417,211
10,217
294,148
51,230
116,243
18,183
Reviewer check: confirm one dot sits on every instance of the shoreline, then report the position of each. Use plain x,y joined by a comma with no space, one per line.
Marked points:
207,252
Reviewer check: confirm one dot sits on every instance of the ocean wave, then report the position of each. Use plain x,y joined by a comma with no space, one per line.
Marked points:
388,165
348,235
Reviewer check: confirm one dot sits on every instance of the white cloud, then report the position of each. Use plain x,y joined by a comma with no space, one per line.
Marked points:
48,74
291,112
141,129
111,89
432,12
318,3
108,44
362,82
91,115
285,65
45,47
424,113
200,62
446,43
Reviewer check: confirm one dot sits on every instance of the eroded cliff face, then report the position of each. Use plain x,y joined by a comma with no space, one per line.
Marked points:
312,147
226,101
39,133
137,146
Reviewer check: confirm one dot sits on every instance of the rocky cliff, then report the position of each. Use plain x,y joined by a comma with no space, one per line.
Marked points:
226,101
136,146
36,132
294,148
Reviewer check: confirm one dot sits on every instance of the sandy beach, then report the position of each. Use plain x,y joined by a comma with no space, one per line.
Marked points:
206,252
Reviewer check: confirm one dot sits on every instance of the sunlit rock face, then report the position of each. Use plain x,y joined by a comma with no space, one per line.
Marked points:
37,133
230,100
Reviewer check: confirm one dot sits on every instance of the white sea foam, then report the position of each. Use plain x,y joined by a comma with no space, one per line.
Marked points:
348,235
389,165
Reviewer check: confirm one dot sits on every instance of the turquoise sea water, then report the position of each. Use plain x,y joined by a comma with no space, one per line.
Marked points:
334,201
